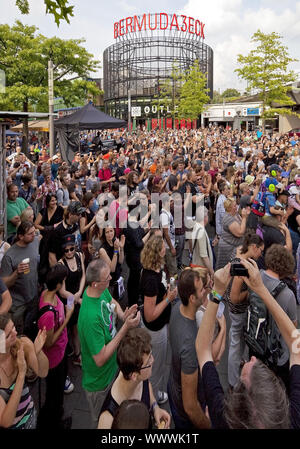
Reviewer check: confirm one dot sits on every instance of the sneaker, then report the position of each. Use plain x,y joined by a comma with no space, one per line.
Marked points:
69,387
77,360
162,397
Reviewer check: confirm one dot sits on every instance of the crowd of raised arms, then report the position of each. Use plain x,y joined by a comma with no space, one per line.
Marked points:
147,248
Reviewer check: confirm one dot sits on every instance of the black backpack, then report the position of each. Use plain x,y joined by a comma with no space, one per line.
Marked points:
34,329
261,332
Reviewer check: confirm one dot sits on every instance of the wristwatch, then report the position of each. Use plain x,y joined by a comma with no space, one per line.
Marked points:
215,299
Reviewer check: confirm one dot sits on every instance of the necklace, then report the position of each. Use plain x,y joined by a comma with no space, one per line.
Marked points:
7,375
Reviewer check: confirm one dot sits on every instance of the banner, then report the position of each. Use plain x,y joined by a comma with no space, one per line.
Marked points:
188,124
195,124
154,123
182,124
169,123
176,123
162,124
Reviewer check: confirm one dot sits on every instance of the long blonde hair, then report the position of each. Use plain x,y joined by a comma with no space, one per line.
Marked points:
150,255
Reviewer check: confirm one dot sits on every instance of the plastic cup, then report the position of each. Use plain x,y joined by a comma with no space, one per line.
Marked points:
27,262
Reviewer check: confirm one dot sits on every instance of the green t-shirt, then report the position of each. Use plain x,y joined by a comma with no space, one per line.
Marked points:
95,328
14,208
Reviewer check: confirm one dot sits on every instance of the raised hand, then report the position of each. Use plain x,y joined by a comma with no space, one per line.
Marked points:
40,340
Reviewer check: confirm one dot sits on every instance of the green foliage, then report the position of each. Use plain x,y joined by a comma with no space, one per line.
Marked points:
231,93
193,95
169,91
60,9
24,57
266,71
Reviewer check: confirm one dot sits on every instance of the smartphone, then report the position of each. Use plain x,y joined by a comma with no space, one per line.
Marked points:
237,269
139,309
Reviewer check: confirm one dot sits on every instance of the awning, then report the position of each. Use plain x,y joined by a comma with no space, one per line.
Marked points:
36,125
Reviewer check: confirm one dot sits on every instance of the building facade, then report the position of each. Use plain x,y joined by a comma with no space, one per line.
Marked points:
147,49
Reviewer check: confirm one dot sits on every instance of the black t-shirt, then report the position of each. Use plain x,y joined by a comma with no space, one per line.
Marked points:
214,396
272,235
292,220
120,172
152,285
57,238
172,182
133,246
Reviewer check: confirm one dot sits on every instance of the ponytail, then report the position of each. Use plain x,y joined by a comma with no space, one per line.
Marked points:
251,238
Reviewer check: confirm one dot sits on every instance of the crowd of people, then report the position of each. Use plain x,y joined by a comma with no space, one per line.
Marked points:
149,243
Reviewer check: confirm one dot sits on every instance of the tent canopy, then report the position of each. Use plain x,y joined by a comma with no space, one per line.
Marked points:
88,117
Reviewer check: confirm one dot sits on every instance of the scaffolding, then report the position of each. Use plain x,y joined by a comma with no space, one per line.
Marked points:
141,62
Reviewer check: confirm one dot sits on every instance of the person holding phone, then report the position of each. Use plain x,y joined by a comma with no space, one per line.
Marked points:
236,296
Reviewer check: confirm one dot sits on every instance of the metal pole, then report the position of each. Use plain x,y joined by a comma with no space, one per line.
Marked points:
129,111
51,107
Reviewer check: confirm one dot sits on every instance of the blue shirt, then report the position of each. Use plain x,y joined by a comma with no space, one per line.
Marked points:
270,201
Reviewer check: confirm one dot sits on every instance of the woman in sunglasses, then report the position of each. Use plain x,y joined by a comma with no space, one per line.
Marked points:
73,286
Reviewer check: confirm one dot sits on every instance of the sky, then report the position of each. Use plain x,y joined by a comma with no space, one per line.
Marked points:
229,25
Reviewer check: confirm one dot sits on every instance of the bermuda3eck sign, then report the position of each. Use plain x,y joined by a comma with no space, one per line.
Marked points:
159,21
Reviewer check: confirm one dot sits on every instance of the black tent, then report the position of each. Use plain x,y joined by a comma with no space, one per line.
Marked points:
88,117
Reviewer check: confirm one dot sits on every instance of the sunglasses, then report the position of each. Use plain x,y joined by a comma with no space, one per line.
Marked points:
70,249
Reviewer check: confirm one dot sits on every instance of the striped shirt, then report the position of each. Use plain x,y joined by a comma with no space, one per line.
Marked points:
25,408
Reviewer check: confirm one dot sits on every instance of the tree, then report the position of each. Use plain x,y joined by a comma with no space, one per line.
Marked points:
231,93
217,97
24,57
169,92
60,9
193,95
266,71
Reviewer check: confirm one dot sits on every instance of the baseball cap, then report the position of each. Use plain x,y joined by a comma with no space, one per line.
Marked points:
76,208
249,179
68,239
55,157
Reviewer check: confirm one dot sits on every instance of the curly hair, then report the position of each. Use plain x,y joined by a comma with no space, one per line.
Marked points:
264,405
150,255
133,346
280,260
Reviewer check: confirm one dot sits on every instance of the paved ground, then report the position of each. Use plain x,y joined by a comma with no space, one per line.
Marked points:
76,405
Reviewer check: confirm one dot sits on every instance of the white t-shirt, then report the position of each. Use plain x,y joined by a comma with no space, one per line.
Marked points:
166,219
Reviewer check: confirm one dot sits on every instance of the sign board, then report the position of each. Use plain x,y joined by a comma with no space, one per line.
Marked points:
136,111
253,111
159,21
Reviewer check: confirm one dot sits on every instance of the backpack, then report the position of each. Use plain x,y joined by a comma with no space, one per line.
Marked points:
261,332
34,329
258,206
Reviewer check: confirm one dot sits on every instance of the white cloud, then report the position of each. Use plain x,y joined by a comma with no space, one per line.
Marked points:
230,25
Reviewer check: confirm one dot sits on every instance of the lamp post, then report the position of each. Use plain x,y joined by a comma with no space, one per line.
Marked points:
129,111
51,107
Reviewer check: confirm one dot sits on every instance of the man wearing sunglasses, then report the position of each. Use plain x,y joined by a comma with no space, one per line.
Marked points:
68,226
